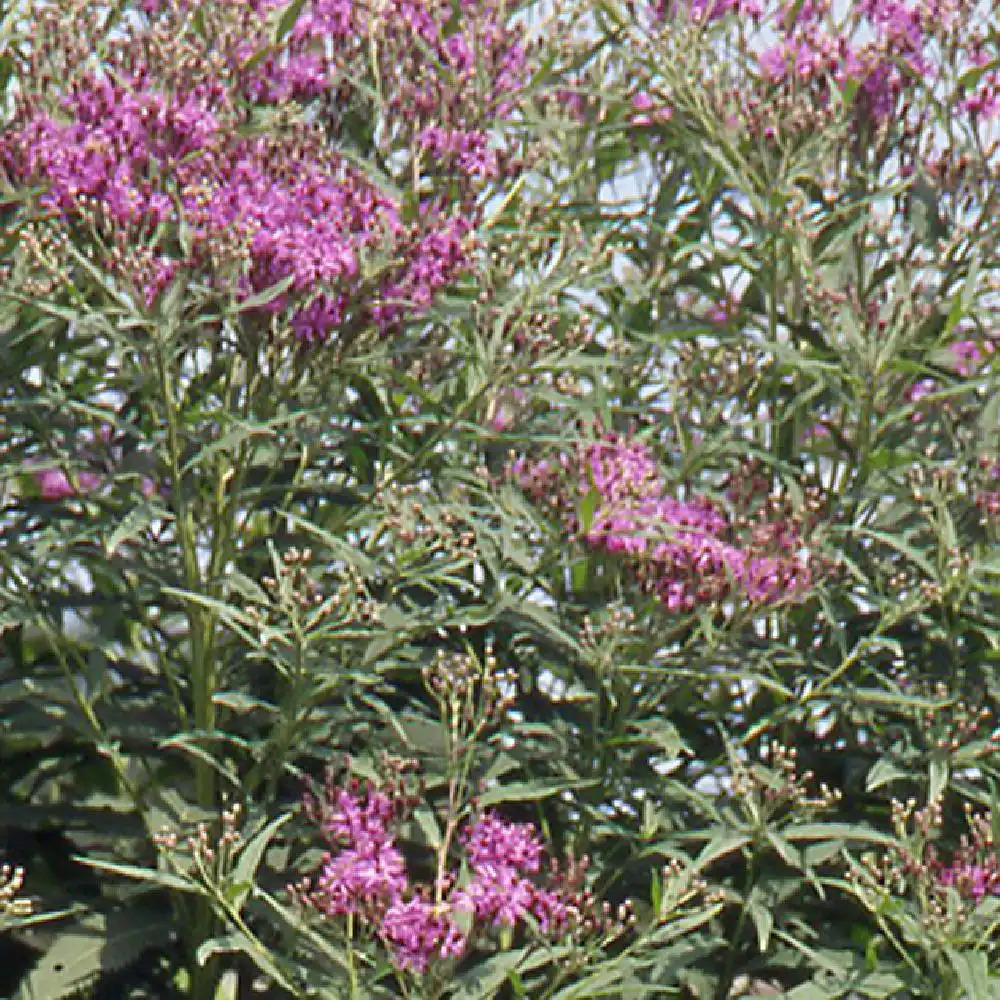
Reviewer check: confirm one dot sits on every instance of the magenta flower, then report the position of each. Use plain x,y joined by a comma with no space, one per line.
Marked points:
367,870
364,874
54,484
917,391
971,880
162,162
497,894
774,62
968,356
359,878
418,931
501,856
494,841
688,551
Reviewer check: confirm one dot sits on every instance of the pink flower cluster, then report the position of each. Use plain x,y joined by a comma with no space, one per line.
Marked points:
501,856
686,551
54,484
974,872
807,50
966,357
972,881
880,45
969,356
98,450
365,874
157,152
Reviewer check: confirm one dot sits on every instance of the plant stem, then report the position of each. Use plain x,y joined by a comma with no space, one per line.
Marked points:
202,675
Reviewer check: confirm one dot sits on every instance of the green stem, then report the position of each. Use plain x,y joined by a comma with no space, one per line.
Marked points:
202,679
352,969
202,675
726,981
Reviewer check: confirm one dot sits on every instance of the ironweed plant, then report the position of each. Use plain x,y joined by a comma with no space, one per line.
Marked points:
499,500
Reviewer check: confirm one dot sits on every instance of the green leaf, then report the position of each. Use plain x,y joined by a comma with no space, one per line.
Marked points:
603,982
239,943
587,508
962,301
484,980
250,857
883,772
268,295
718,847
655,891
132,525
96,945
836,832
787,853
971,77
973,974
241,703
168,880
763,919
939,774
286,20
528,791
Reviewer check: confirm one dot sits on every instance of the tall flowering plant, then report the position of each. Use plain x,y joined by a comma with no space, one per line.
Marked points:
351,349
243,345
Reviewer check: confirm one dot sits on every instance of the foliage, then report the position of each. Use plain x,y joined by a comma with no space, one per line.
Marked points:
500,502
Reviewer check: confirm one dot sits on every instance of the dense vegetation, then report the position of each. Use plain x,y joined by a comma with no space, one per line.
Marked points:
500,501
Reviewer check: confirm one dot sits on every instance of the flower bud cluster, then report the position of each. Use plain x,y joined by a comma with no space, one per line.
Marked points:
471,692
777,787
988,493
688,552
956,727
209,852
947,894
298,593
12,903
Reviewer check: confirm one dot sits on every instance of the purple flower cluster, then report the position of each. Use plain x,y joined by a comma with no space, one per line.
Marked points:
974,872
418,930
969,356
686,551
972,881
893,53
364,874
368,868
157,152
881,46
438,256
54,484
501,856
467,150
96,451
114,133
311,228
